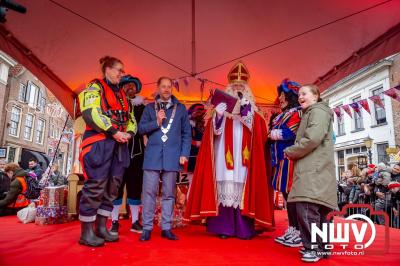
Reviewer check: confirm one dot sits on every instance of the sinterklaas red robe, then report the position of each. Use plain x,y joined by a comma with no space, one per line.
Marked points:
257,199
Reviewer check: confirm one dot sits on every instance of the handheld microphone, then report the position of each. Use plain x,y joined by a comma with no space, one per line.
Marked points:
162,106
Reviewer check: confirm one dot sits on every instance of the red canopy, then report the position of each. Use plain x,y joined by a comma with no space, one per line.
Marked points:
60,41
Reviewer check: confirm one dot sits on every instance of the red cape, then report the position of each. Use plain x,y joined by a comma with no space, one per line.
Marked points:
257,201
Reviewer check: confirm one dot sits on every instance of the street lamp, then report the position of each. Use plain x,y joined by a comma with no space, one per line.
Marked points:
368,144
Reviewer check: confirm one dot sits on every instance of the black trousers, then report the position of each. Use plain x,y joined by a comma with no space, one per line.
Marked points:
308,213
291,211
133,179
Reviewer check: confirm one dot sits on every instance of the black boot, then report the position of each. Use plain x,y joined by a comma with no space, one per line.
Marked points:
145,236
223,236
114,227
88,238
102,231
168,235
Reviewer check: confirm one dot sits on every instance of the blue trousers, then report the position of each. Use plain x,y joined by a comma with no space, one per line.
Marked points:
151,180
103,163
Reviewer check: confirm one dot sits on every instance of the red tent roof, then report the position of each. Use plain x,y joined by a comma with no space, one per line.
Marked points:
61,41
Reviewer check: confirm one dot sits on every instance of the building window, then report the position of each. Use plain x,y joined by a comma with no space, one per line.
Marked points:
363,149
380,114
61,161
57,133
340,123
32,94
362,161
3,73
382,155
340,155
34,97
51,129
15,121
29,121
41,101
358,121
11,154
349,151
41,124
22,93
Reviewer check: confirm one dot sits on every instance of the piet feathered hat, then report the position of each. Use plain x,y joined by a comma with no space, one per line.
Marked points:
196,110
288,86
131,79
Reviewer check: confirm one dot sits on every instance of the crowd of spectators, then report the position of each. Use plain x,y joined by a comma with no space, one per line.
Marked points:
377,185
13,183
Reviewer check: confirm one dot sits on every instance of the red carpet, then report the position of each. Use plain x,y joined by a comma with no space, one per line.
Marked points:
31,245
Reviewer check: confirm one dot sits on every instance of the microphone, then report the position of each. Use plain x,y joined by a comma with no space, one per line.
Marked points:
162,106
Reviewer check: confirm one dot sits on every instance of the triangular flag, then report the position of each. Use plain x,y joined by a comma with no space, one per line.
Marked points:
176,84
346,108
203,81
337,112
356,108
392,93
397,87
376,99
186,81
202,84
365,105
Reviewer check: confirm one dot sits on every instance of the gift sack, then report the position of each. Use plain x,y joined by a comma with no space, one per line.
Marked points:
28,214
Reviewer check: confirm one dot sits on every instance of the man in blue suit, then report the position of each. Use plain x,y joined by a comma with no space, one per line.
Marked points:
166,124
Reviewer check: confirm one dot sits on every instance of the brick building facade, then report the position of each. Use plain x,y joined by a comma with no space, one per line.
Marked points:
32,120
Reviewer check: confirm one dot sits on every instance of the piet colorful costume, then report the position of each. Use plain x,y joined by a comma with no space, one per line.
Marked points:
282,135
230,184
283,130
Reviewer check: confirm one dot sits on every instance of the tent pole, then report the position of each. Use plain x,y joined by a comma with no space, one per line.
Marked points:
58,144
193,38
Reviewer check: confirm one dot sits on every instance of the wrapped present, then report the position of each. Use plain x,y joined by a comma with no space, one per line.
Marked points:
47,221
51,215
53,196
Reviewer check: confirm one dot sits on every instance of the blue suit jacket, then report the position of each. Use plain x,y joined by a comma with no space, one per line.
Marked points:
161,155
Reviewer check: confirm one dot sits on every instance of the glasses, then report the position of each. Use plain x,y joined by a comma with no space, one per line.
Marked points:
120,70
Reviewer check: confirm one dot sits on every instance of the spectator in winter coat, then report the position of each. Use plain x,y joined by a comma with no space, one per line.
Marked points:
394,188
384,175
4,181
35,167
396,173
15,200
55,177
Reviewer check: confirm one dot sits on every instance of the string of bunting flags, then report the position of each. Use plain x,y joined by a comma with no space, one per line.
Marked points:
393,93
185,80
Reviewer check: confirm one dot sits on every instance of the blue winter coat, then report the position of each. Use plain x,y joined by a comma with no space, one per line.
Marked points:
161,155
